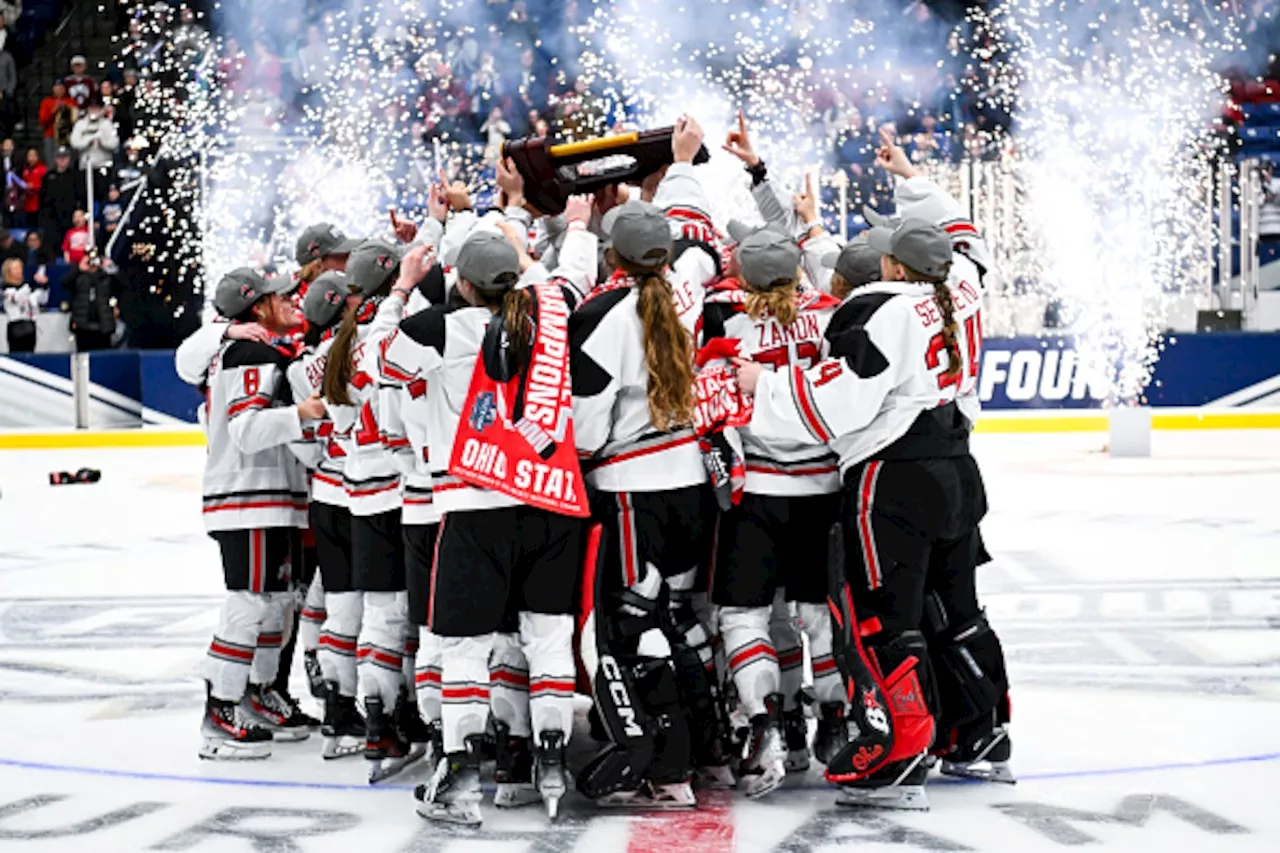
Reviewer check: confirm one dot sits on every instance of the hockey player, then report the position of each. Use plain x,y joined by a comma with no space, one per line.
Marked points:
377,601
494,360
327,301
776,537
912,496
633,407
255,503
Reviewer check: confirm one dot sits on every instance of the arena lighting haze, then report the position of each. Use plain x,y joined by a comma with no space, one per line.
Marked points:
1113,103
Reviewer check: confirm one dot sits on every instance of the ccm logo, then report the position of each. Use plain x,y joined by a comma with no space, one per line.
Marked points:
621,696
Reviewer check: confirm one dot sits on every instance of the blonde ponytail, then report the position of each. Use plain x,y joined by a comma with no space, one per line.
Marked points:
778,301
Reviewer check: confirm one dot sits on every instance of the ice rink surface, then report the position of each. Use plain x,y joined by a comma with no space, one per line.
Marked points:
1138,600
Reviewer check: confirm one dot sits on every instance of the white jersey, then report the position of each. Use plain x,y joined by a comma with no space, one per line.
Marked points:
370,475
611,405
251,477
24,302
883,391
306,377
778,466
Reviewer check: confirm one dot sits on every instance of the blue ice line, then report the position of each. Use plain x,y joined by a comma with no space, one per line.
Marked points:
333,786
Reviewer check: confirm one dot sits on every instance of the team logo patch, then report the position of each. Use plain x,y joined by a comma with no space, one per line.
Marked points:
385,261
484,411
313,247
874,713
333,297
248,292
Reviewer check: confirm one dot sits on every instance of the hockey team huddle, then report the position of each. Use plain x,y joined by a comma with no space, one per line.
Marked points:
718,479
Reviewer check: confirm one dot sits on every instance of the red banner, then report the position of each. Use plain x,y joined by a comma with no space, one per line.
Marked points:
534,459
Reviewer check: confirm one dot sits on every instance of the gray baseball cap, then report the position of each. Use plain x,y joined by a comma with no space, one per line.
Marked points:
371,264
489,261
639,233
921,245
325,297
321,240
857,263
242,287
767,257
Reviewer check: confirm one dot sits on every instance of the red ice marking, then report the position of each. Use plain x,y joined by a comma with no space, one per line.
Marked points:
709,829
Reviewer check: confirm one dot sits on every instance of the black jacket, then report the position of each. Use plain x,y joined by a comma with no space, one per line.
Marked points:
62,194
90,293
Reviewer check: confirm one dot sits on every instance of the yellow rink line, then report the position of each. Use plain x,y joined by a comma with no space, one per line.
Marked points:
990,422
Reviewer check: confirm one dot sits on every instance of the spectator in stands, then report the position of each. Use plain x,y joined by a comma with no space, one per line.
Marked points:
57,117
930,145
76,242
126,98
112,212
93,319
11,180
32,177
37,259
61,194
855,151
10,116
10,11
22,304
11,248
311,65
96,138
1269,215
264,70
496,131
80,86
8,74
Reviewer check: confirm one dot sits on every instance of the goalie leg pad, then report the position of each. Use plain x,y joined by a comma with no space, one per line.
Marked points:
887,682
971,673
693,656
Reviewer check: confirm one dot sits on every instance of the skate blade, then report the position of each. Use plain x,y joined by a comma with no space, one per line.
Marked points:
223,751
341,747
385,768
993,771
717,778
462,814
291,735
898,797
514,795
551,792
669,798
757,786
797,761
553,807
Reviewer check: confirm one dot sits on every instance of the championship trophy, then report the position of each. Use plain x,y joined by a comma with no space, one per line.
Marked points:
553,172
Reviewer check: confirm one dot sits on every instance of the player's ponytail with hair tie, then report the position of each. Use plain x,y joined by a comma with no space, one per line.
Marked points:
668,353
950,328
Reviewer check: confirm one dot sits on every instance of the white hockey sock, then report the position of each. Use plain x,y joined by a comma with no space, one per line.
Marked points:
233,648
312,616
828,686
428,675
752,659
464,689
338,639
266,656
548,644
786,642
386,614
509,684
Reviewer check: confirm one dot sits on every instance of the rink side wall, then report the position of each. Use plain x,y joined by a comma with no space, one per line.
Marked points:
1206,381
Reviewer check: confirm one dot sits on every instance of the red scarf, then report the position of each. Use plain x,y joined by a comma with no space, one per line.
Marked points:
620,280
533,460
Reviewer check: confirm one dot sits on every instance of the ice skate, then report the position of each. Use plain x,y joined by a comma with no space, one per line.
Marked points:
227,736
899,785
315,676
343,729
551,775
833,731
512,769
452,794
651,797
716,777
418,731
985,758
277,714
796,730
764,768
385,747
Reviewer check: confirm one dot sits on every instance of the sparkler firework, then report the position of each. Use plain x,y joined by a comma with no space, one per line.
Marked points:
1102,109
